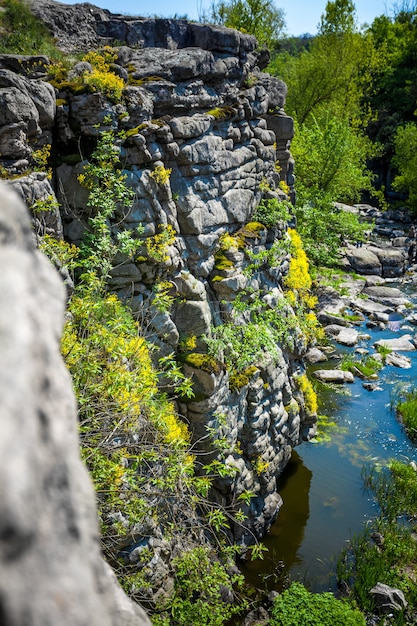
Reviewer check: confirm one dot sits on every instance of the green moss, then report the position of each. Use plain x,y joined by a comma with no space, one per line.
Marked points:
249,232
221,262
136,130
222,113
292,408
76,87
217,279
238,380
61,101
203,362
138,82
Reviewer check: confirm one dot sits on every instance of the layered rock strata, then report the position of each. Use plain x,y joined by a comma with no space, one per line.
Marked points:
204,135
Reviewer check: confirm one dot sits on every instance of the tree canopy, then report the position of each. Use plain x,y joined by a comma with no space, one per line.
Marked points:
256,17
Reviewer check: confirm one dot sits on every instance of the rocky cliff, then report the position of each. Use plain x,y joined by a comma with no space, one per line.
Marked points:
203,137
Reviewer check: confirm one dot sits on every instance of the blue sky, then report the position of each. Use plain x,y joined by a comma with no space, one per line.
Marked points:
302,16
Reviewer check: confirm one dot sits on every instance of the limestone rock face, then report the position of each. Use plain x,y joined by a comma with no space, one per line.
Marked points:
83,26
202,134
27,112
52,570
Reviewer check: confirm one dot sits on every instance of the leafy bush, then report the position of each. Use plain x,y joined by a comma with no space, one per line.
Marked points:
296,606
270,212
324,228
200,582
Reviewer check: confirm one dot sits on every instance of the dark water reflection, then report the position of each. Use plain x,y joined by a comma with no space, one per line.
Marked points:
322,487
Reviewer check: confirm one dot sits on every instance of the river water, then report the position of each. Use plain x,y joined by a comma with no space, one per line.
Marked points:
322,487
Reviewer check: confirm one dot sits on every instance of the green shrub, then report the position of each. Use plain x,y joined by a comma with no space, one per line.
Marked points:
200,579
298,607
324,228
407,411
270,212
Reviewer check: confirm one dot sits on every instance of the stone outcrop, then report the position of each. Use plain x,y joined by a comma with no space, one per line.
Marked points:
388,599
52,569
201,134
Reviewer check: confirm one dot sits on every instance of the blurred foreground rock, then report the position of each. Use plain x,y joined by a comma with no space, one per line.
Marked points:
52,572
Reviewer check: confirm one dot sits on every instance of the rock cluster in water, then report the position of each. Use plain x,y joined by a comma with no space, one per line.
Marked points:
371,298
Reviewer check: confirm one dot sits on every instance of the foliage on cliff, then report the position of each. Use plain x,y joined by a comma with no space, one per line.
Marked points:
22,33
134,443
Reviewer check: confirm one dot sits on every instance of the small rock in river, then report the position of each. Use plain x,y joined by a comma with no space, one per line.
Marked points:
372,386
334,376
314,355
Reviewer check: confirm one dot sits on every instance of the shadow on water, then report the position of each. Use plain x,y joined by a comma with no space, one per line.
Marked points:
287,533
322,488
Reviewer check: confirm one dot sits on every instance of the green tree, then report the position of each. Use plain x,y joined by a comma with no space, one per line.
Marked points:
256,17
339,18
405,159
394,93
330,156
335,70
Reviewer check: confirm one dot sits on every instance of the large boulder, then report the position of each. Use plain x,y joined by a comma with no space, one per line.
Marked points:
399,344
388,599
52,569
364,261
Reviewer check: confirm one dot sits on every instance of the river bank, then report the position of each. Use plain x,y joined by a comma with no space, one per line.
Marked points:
325,502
